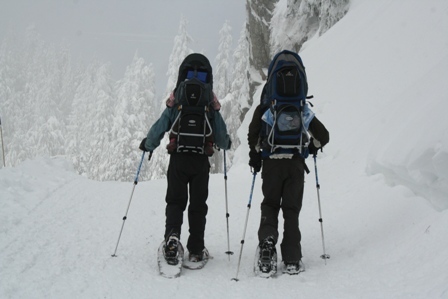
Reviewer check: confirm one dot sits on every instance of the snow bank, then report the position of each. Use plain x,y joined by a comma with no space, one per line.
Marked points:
380,85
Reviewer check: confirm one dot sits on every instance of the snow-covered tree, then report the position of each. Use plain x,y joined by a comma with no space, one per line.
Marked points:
222,82
7,104
36,80
90,120
237,103
134,110
222,77
181,49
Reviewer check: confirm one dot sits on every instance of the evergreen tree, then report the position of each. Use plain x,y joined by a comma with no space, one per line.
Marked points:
90,120
30,77
100,109
236,104
6,102
159,160
134,110
222,82
180,50
37,87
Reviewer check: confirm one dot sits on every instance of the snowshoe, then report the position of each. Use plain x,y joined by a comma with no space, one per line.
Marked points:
170,258
197,261
266,259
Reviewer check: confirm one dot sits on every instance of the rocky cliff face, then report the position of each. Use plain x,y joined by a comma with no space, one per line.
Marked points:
274,25
259,15
296,21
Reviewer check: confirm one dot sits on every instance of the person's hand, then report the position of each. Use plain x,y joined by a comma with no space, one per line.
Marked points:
312,148
255,161
142,145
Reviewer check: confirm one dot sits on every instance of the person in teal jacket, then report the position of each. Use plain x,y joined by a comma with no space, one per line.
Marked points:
188,172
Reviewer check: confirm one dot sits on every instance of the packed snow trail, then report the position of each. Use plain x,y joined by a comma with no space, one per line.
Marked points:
59,231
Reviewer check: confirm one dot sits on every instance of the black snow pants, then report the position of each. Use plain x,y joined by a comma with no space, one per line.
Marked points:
187,176
283,181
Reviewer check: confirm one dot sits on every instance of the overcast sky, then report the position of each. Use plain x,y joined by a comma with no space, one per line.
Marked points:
112,30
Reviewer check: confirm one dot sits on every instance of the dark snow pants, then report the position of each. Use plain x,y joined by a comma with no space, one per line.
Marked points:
187,176
282,187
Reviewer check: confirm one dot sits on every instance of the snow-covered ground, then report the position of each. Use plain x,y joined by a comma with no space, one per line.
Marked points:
379,81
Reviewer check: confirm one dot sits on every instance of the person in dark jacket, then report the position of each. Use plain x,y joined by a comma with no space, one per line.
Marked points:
283,182
188,172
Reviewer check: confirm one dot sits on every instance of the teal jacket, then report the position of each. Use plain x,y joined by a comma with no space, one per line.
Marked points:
166,120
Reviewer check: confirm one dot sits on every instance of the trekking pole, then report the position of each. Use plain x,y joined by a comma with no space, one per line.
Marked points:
129,204
323,256
3,147
228,252
245,226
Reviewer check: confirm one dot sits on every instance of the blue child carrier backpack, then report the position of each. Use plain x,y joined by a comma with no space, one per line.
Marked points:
286,115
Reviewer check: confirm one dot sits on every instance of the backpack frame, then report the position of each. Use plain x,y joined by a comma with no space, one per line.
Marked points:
192,128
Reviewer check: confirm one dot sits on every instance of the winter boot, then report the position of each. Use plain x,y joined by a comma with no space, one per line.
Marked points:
171,249
198,257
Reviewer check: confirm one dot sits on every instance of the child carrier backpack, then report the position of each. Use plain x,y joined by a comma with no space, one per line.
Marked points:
284,130
192,132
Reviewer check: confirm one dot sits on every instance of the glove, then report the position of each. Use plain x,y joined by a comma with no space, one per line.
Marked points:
312,149
143,148
255,160
142,145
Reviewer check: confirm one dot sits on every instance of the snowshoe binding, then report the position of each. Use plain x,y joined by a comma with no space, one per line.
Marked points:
170,257
294,268
171,250
197,260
